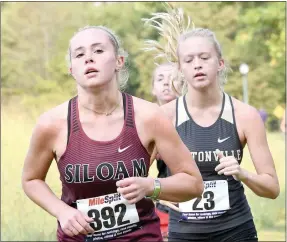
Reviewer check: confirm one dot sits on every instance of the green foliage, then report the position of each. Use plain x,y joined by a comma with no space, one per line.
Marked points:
34,45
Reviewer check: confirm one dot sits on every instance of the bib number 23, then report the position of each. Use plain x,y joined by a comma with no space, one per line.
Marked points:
213,202
208,202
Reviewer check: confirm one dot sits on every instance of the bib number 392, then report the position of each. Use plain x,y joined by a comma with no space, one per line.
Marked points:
213,202
107,218
112,215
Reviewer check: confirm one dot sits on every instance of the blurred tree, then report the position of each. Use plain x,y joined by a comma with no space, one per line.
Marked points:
34,45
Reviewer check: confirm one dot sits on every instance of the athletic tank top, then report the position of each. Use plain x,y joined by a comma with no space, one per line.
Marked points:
223,203
89,171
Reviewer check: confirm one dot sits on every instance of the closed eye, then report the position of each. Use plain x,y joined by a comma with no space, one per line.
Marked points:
188,60
204,57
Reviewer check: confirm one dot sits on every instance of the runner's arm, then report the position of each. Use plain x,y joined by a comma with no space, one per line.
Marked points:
36,166
186,182
265,182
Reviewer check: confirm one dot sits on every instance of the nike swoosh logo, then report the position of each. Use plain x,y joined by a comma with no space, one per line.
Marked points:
122,150
222,140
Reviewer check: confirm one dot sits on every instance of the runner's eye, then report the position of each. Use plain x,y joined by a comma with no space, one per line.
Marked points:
79,55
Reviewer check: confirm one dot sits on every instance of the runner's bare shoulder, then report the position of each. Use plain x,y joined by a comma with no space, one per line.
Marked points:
244,112
53,122
247,118
146,111
169,109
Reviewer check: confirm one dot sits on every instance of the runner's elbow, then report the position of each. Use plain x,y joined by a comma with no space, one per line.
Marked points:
196,189
271,193
275,193
274,189
200,187
26,183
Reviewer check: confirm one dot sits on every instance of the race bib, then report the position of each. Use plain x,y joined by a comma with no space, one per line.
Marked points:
213,202
112,215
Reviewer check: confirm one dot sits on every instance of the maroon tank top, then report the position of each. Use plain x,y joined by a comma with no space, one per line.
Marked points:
89,171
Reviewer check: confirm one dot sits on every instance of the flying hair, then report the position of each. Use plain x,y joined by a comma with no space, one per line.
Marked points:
174,26
170,25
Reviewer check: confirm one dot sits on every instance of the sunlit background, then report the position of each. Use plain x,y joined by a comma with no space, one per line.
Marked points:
34,78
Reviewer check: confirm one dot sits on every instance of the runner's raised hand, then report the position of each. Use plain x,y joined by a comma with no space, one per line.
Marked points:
229,166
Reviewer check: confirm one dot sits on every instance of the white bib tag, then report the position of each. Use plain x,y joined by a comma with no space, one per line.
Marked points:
213,203
112,215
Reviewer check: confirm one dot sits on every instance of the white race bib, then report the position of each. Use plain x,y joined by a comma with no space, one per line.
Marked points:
213,203
112,215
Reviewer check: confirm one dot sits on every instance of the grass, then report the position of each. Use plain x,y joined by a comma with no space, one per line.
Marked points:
269,215
22,220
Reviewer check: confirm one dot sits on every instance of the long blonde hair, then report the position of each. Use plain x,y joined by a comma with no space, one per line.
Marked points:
174,27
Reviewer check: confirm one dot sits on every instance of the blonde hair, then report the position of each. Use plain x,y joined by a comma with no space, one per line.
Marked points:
175,28
123,73
206,33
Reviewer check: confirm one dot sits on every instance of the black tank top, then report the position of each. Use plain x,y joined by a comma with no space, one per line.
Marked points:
223,204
